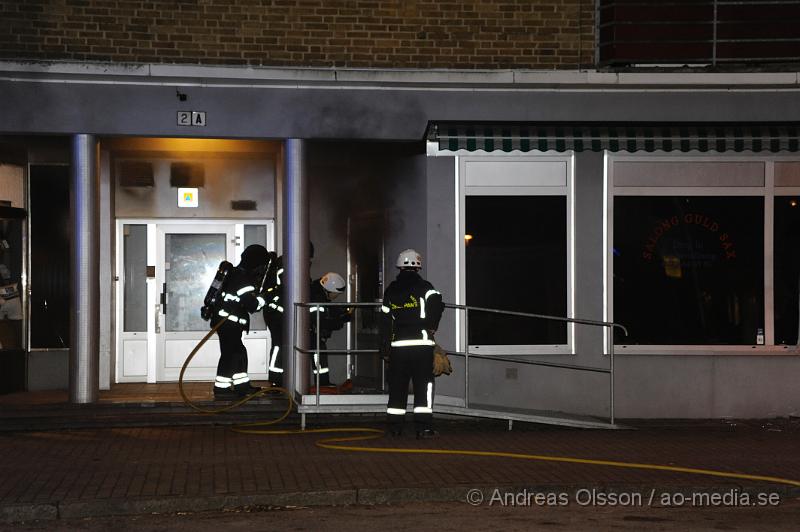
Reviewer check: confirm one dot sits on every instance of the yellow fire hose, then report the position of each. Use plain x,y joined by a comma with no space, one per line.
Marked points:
371,434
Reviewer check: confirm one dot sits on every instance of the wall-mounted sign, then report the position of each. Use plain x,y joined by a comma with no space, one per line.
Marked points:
191,118
187,197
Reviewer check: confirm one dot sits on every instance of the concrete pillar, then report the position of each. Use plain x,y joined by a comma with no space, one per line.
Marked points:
85,324
296,265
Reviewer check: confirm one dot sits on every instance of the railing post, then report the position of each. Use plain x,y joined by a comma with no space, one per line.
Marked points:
318,356
611,367
466,357
295,344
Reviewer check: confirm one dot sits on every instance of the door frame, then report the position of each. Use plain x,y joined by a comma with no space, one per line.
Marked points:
154,371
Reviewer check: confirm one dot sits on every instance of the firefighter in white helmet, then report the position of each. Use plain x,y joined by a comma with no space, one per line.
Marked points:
331,318
410,315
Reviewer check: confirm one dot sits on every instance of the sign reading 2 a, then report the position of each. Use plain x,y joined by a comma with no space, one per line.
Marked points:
192,118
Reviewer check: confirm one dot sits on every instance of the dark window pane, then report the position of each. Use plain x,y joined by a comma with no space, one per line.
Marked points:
787,269
516,260
50,256
689,270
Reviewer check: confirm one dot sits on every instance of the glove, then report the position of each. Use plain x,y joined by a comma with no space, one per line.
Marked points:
441,364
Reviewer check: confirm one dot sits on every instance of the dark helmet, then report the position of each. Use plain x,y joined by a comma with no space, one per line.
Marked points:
254,257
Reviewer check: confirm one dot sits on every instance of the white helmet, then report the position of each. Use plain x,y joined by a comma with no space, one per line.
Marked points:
409,258
333,283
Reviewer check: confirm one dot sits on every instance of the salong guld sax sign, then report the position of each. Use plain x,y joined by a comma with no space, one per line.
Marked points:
693,219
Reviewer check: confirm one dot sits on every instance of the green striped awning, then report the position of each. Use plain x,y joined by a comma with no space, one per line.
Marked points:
631,138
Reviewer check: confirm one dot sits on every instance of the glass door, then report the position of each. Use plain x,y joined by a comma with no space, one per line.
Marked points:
165,270
187,259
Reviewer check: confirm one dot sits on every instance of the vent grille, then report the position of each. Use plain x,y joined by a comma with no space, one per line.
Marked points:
136,174
187,175
243,205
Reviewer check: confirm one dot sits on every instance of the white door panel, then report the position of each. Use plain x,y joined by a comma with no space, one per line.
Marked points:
134,358
256,355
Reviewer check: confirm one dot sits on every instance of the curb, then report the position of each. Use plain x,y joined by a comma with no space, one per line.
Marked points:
53,511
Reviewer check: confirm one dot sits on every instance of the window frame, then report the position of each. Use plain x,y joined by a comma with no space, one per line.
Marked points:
768,191
462,190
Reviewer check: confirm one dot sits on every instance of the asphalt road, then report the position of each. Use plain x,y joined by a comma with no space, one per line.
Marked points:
450,516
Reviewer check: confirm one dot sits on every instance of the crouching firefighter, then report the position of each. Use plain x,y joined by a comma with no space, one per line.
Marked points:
410,315
331,318
233,296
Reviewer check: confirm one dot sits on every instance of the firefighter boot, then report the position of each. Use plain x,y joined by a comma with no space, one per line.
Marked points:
225,394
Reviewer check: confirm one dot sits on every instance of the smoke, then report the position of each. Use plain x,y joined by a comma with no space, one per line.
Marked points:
358,182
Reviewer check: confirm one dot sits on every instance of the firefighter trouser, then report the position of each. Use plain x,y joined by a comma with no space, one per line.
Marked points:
276,353
319,363
414,363
232,366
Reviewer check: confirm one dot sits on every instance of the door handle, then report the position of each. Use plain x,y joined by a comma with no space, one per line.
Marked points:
164,298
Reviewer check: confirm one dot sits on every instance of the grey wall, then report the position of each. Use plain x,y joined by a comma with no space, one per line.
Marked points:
338,111
441,261
48,369
227,178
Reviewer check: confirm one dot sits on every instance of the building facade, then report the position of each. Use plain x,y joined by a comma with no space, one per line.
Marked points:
543,156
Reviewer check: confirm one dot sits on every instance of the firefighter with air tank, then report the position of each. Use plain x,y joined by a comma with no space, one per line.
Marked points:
235,293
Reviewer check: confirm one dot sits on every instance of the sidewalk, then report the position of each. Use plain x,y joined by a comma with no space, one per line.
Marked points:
110,469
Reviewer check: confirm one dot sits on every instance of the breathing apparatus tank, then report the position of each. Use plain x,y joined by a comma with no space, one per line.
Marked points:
212,299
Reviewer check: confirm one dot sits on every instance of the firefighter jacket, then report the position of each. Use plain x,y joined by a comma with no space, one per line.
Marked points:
239,298
331,318
273,293
411,308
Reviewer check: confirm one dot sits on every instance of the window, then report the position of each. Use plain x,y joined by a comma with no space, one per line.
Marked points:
689,270
703,251
516,259
516,252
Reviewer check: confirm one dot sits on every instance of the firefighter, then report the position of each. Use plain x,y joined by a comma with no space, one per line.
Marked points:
331,318
238,298
273,315
410,315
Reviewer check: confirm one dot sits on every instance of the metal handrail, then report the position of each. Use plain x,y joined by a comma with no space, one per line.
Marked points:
320,351
466,354
596,323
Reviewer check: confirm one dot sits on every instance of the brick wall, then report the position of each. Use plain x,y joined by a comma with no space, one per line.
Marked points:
464,34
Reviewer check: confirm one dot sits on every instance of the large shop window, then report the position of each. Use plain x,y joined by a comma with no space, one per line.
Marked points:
704,251
689,270
517,255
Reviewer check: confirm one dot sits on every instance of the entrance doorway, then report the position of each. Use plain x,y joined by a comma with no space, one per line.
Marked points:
164,269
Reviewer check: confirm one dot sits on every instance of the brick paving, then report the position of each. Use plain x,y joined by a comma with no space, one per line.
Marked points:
110,467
